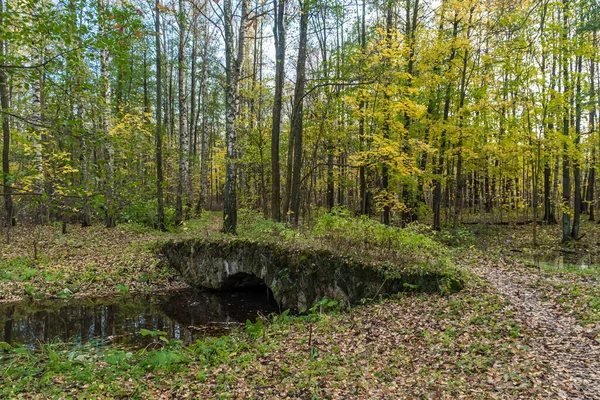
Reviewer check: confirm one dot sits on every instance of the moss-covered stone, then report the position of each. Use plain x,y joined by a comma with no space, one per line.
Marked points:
298,276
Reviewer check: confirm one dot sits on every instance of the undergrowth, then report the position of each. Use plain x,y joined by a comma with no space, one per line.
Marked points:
399,347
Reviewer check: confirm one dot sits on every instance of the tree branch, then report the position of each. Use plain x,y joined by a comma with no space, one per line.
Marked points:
32,123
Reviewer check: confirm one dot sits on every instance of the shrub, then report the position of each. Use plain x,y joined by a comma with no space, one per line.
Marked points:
145,213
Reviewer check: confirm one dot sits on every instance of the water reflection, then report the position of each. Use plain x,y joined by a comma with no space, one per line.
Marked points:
184,315
563,261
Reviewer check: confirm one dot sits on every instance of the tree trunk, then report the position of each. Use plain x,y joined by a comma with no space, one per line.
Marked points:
193,116
591,191
330,178
459,161
4,104
279,33
385,178
37,116
183,184
410,199
233,71
105,91
549,216
204,139
577,164
437,190
298,115
566,183
364,205
158,136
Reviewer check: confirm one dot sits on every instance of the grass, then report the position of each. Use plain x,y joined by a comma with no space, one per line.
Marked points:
394,249
580,300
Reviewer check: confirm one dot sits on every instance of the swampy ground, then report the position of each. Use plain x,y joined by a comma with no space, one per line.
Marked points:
526,326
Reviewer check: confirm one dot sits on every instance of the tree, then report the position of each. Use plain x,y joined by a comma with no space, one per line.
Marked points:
183,183
437,191
591,190
6,136
279,35
110,217
566,180
158,132
233,71
298,112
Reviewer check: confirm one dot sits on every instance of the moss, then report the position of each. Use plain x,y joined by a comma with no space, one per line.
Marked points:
300,275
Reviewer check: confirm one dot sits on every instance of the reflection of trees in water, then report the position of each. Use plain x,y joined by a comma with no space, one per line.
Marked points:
207,307
85,324
123,318
8,324
203,309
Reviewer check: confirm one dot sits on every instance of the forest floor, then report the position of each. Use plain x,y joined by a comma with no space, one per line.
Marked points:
557,297
518,330
41,262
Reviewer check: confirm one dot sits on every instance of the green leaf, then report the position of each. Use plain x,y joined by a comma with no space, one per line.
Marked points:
5,346
146,332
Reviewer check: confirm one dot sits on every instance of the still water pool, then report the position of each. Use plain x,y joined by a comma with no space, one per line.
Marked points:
124,320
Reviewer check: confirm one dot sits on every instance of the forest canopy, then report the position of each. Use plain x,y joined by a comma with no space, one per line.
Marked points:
442,111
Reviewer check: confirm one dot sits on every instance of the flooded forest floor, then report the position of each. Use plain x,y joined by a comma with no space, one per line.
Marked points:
527,326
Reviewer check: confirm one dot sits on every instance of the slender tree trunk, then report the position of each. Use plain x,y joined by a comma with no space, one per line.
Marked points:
364,205
566,183
410,198
279,33
591,190
233,71
6,136
549,216
73,66
555,181
385,178
230,206
204,139
193,116
260,62
330,177
437,190
459,161
288,175
158,136
37,116
105,91
183,184
577,164
298,115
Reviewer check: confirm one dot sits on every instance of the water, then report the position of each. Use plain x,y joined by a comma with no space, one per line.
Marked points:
563,261
183,315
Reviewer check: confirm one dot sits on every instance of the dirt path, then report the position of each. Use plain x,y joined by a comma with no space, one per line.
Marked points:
560,342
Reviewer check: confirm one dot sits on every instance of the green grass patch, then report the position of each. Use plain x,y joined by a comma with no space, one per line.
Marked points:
20,269
581,300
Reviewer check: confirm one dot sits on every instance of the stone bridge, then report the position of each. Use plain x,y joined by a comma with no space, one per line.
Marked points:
298,276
